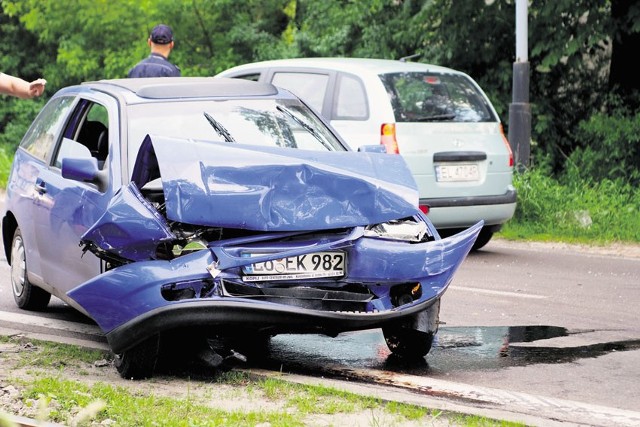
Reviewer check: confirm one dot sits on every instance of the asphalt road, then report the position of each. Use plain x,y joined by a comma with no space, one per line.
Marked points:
582,368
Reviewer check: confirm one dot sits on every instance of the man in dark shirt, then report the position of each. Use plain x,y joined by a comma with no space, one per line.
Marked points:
157,65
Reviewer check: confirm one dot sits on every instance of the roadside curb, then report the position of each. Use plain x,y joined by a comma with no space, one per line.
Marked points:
496,404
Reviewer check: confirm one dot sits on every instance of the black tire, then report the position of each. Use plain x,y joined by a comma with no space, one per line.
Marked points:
483,238
139,362
408,343
26,295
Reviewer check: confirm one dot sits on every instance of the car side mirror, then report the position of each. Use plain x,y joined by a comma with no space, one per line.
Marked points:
379,148
84,170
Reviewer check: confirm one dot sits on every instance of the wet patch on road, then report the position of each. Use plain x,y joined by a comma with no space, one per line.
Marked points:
454,349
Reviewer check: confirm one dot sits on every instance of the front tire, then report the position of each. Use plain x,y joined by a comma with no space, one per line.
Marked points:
26,295
408,343
413,338
139,362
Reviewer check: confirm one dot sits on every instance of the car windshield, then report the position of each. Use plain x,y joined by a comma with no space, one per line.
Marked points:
277,123
429,97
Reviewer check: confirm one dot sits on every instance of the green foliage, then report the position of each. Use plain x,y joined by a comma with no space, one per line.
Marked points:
22,55
573,210
67,397
16,116
6,158
609,148
474,36
373,28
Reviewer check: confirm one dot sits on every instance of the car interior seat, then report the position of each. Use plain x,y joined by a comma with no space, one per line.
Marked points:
89,136
102,150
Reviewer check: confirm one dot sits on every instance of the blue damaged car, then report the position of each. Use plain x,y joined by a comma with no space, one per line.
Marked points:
218,207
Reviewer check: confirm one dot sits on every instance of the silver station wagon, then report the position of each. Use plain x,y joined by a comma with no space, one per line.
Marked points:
437,118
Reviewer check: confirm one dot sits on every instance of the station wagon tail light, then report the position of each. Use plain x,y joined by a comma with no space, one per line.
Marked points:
506,142
424,209
388,138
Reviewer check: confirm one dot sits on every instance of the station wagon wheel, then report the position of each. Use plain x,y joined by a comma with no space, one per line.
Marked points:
26,295
483,238
138,362
408,343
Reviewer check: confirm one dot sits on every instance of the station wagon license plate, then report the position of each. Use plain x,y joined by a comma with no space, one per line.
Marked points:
308,266
457,172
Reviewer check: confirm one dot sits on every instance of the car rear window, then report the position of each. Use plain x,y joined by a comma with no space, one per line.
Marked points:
430,97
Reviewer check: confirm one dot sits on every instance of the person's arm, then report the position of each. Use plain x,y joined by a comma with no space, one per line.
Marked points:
15,86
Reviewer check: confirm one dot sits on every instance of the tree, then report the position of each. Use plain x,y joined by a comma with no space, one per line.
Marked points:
21,54
571,51
581,51
625,17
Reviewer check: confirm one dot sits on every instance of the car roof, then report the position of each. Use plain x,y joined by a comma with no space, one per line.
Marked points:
353,65
184,87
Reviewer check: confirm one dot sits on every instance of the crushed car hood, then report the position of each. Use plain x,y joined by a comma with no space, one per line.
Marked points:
250,187
277,189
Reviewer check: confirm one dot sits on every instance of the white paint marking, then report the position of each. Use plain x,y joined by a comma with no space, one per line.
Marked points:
502,293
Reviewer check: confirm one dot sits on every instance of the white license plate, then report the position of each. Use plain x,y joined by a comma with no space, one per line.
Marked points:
308,266
457,172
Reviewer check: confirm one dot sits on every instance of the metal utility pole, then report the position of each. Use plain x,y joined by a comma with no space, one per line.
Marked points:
520,110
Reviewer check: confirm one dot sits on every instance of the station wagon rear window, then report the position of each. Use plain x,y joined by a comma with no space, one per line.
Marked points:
428,97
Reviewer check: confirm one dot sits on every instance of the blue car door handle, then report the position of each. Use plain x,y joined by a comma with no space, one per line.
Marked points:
40,186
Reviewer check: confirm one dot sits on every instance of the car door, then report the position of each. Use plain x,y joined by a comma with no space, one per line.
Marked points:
67,208
24,185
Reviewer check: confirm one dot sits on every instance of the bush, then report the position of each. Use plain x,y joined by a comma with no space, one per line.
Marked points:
16,116
574,210
609,148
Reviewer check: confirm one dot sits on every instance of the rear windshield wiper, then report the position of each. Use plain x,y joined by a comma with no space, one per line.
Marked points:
434,118
305,125
222,131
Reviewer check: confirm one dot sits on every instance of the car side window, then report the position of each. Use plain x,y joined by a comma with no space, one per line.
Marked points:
351,99
92,132
40,139
311,87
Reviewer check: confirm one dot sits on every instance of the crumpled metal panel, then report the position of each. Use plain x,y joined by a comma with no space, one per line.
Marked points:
279,189
130,227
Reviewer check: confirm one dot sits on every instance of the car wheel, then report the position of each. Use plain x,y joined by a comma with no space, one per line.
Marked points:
139,362
408,343
26,295
483,238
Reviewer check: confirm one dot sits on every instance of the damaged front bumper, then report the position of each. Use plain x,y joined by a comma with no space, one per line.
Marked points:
385,282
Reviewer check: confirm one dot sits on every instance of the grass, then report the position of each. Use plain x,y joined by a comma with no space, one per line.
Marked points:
574,211
56,395
5,166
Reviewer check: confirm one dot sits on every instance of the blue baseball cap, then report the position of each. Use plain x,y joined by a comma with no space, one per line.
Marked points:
161,34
